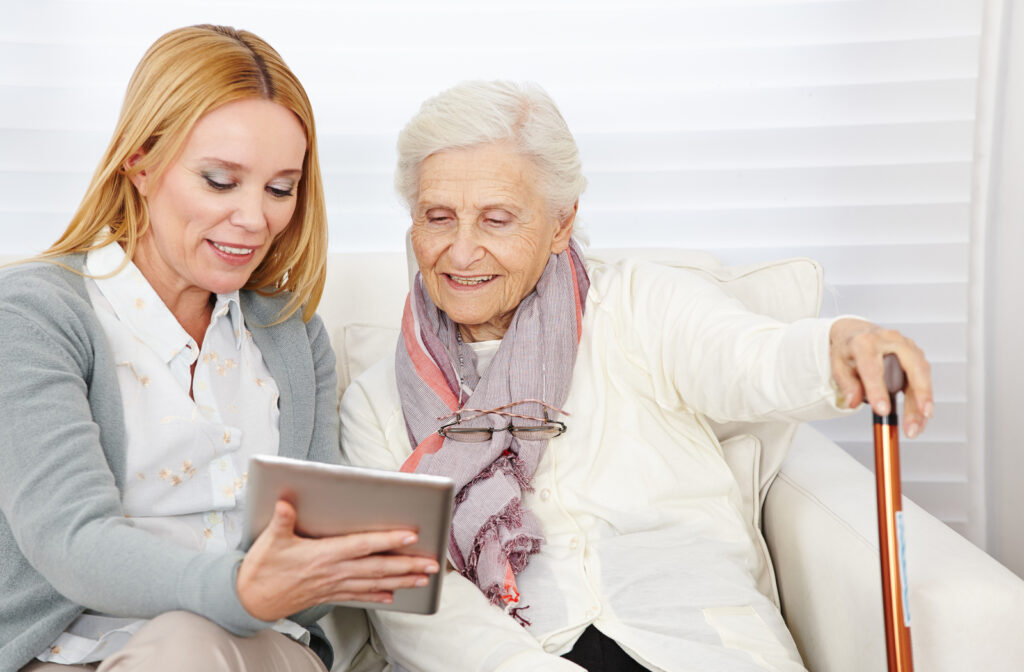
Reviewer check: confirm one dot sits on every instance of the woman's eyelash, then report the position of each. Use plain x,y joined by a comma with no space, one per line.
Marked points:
219,186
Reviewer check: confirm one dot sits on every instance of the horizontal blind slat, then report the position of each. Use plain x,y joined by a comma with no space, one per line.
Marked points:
558,64
945,427
400,23
926,459
588,110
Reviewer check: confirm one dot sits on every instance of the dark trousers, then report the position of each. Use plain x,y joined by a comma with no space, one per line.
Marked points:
597,652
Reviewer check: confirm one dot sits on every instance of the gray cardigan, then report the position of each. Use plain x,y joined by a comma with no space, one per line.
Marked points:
64,543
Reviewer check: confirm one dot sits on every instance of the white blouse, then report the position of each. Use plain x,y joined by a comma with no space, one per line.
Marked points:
186,458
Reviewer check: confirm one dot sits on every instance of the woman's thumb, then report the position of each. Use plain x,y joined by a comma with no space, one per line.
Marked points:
283,522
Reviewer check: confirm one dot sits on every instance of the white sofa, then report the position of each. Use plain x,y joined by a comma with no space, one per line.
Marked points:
818,512
816,503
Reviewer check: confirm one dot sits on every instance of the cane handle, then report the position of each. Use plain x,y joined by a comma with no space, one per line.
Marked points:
895,379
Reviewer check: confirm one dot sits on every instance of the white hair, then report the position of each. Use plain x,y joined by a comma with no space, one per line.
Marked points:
482,112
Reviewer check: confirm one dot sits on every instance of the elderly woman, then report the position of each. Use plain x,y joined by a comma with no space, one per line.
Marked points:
607,535
168,336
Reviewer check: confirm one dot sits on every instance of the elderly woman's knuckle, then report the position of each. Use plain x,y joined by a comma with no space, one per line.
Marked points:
862,343
862,335
891,335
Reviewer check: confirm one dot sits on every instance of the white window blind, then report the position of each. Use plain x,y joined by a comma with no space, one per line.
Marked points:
838,130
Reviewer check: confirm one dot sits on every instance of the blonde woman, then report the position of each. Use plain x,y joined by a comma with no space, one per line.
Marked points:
165,338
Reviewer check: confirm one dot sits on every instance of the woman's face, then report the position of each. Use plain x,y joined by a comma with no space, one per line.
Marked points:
482,234
221,202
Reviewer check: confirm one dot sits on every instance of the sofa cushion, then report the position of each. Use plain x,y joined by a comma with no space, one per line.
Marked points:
786,289
358,346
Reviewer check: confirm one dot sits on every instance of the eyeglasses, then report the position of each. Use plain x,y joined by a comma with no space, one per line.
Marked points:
547,429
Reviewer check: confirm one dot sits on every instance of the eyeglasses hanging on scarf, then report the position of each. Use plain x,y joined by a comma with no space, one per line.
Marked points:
546,429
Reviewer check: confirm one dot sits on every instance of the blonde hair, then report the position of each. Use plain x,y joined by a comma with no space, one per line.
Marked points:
481,112
185,74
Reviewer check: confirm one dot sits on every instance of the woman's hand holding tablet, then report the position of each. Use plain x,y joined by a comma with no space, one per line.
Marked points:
284,573
346,535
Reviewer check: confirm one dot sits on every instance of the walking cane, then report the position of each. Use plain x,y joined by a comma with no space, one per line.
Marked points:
895,602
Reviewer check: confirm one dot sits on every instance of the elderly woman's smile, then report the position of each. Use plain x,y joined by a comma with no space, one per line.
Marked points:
483,233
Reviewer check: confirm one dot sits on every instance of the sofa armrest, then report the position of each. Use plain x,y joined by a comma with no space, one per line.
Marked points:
821,528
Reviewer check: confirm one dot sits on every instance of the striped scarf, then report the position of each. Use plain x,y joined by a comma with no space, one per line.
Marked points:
492,534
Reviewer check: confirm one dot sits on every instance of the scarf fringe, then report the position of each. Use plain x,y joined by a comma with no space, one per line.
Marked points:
519,618
516,550
493,594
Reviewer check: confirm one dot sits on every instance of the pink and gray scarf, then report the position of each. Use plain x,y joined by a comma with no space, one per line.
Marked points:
492,534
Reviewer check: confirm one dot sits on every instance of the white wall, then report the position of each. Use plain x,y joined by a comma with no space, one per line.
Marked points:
1004,308
838,129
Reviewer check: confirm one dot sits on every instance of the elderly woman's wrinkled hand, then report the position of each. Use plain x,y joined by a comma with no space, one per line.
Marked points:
283,573
857,351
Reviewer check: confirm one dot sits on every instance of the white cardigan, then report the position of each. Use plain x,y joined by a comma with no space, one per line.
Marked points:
645,534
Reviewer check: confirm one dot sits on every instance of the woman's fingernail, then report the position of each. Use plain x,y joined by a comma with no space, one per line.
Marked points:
882,407
411,539
432,569
928,409
387,599
913,429
422,582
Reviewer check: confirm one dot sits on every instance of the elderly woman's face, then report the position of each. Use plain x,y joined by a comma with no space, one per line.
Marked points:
482,234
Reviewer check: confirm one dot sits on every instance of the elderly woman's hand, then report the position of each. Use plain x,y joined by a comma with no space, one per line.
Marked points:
283,573
857,349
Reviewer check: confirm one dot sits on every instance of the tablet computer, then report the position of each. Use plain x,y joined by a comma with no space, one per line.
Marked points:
331,499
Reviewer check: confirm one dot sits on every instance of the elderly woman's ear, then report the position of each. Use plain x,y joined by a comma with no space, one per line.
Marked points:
565,228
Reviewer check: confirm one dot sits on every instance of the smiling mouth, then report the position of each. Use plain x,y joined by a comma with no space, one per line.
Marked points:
229,249
470,281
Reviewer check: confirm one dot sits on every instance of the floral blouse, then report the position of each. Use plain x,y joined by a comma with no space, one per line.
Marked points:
187,455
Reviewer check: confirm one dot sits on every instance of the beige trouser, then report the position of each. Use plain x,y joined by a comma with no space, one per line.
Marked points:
180,640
